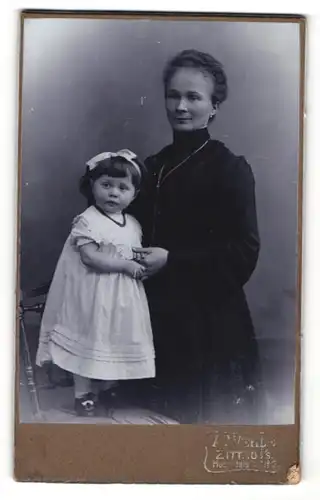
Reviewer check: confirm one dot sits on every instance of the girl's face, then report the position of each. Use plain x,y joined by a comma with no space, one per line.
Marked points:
188,99
113,194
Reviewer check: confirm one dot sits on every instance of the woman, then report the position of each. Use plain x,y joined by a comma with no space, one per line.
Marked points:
200,228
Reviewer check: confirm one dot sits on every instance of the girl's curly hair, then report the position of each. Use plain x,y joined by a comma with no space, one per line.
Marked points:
114,167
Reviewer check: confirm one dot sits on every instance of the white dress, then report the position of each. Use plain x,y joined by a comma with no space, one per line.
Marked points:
97,325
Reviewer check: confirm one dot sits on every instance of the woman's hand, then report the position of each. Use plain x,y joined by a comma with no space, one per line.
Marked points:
152,258
134,269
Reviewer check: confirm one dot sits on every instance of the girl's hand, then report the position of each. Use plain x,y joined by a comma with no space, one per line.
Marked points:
134,269
153,259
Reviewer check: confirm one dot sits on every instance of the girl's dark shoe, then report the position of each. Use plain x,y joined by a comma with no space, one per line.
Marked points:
86,405
107,399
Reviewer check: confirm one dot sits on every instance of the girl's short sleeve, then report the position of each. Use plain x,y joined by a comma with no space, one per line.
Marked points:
82,232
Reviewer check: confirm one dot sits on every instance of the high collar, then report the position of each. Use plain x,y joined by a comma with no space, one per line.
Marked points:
186,142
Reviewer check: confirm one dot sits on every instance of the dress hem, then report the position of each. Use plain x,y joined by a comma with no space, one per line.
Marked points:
102,370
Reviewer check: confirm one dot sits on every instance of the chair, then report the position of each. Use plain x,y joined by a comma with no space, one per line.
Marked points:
39,293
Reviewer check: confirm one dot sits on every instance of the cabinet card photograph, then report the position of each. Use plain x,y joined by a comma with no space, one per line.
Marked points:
159,243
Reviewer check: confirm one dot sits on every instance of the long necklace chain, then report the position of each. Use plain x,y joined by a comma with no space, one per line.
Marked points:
162,178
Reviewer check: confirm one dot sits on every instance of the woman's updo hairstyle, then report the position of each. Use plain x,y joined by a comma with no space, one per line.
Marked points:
206,64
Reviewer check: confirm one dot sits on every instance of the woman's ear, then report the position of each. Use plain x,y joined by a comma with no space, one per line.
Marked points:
214,111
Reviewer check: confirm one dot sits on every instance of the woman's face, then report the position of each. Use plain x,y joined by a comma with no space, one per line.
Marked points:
188,99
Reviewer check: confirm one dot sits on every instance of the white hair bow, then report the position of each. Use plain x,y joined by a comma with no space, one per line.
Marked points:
123,153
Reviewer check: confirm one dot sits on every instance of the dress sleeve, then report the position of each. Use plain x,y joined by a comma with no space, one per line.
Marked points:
82,232
227,264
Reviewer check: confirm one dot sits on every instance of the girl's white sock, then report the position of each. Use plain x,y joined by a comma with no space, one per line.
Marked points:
103,385
82,385
106,385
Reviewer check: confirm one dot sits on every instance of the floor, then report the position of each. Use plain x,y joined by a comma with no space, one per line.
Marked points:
56,404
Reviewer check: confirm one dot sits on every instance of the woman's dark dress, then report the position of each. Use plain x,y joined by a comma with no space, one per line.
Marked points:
204,214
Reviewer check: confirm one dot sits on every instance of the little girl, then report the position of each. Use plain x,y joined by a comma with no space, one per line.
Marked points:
96,322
